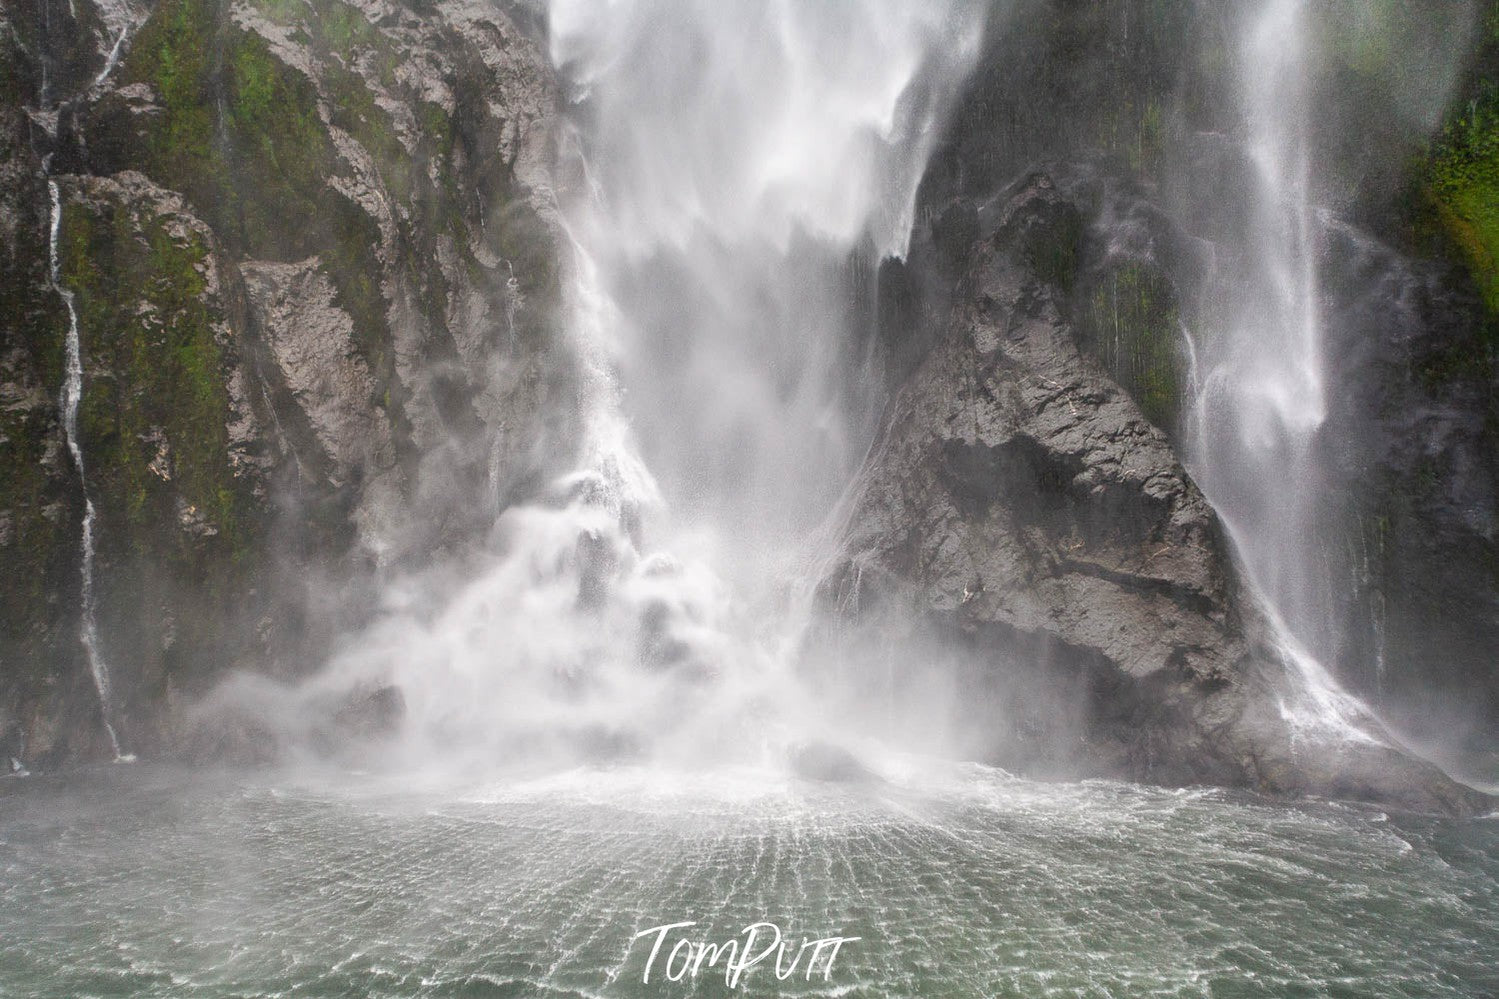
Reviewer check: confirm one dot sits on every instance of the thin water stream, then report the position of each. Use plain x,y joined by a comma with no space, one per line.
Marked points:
72,395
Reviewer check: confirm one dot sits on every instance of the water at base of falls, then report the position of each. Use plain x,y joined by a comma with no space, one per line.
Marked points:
957,880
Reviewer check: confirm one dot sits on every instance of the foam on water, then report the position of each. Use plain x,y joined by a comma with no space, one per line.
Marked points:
959,880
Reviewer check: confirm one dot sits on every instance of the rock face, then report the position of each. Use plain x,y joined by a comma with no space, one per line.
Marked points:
1025,496
1036,349
1414,443
1019,503
313,251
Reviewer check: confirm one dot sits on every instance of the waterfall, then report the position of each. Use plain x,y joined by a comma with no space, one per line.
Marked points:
119,18
749,164
1259,371
72,394
733,164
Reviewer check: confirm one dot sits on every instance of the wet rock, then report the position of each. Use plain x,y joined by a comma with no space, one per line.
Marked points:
823,761
1019,506
315,251
320,370
1413,444
1028,489
372,714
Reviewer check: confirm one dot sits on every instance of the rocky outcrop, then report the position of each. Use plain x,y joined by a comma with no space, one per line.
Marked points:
1019,504
311,347
1133,107
315,258
38,510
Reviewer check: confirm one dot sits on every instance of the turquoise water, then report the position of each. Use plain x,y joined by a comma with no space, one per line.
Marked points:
959,881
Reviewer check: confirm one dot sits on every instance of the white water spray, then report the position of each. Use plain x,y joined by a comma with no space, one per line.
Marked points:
72,394
748,162
741,169
1261,387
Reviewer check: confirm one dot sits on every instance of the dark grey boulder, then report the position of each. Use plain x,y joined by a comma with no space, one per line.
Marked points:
1019,506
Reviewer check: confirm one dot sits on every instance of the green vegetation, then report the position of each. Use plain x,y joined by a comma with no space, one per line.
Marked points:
1459,177
180,538
1052,249
139,282
37,524
251,143
1130,322
242,139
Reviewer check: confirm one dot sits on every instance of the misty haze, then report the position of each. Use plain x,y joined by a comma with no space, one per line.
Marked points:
774,497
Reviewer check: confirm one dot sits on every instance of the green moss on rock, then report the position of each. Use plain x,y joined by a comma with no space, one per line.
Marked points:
1130,321
182,531
1456,186
1464,193
37,501
155,411
240,135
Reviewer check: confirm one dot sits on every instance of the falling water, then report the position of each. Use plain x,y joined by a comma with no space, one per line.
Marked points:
72,394
738,168
748,163
120,18
718,225
1262,391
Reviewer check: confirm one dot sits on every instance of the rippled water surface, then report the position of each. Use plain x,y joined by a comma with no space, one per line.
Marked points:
959,882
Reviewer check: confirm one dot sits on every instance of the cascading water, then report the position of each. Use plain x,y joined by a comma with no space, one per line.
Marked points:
119,19
749,163
739,167
741,170
1261,391
72,394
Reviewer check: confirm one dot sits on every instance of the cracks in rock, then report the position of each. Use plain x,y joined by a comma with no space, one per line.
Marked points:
1184,596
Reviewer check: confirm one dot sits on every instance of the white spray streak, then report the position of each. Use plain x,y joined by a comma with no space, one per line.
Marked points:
72,394
121,18
1261,393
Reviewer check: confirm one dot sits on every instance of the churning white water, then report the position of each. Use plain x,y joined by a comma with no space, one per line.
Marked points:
738,171
72,394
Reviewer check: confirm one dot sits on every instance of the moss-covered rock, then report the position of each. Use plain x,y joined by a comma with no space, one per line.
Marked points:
1130,321
1455,186
179,489
1126,80
39,506
314,129
311,247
